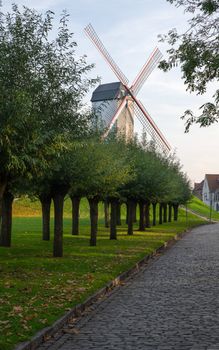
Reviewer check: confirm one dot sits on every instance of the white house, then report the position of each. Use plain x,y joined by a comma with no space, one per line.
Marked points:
210,191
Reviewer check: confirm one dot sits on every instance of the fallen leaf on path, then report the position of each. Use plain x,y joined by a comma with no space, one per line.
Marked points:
71,330
47,337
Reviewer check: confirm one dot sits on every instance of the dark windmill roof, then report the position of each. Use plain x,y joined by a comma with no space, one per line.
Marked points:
106,92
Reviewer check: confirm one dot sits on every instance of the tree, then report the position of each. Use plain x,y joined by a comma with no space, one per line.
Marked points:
98,168
75,199
6,222
18,133
150,183
180,187
110,171
42,84
197,53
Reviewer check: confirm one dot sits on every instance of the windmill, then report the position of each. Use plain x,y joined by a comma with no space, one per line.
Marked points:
122,104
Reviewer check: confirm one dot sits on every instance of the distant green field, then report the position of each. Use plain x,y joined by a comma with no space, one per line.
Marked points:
25,207
36,289
202,209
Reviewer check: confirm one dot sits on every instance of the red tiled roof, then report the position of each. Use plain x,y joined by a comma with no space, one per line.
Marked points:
198,186
213,181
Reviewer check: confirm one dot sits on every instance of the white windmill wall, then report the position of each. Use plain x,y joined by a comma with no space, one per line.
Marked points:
105,101
125,122
105,110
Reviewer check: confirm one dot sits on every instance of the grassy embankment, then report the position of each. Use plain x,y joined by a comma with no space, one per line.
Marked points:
197,206
36,289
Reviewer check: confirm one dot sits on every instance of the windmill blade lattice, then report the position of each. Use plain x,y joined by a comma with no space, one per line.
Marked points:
149,125
146,71
98,43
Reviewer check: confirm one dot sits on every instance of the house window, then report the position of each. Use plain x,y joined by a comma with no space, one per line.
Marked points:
205,197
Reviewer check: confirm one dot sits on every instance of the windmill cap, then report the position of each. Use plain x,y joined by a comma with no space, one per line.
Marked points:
105,92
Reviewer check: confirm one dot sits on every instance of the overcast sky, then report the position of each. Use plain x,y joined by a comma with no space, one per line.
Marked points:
129,29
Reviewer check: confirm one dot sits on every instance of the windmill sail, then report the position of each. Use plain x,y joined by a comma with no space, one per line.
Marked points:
149,125
146,71
99,45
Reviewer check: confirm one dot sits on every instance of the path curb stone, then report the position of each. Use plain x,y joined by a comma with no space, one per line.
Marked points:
48,332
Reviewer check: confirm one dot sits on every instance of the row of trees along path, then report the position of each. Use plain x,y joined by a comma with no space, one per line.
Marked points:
102,171
51,147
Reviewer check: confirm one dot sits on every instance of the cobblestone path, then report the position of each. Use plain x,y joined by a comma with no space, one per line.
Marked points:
172,304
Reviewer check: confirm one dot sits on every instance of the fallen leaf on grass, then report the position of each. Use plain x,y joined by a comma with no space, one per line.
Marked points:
81,289
8,334
89,277
9,285
30,317
43,321
17,309
70,281
27,328
45,305
4,322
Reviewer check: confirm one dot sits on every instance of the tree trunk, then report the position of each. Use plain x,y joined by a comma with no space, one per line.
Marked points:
154,205
160,213
134,211
175,211
164,212
147,214
113,219
6,223
46,206
169,212
3,184
130,216
106,213
58,199
118,214
127,213
93,203
75,214
141,216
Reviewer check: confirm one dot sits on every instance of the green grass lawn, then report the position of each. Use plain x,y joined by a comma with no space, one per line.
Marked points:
202,209
36,289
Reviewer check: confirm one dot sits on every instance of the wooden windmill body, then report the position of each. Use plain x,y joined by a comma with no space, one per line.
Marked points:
117,103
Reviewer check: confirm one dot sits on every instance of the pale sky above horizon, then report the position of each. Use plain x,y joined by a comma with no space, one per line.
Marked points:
129,30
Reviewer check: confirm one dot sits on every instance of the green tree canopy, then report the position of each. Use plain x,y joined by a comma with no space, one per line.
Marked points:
179,185
42,83
196,51
98,168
